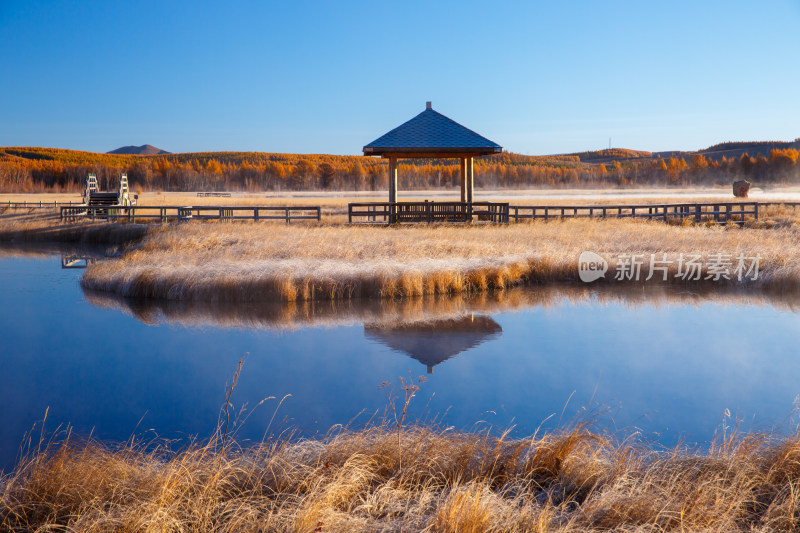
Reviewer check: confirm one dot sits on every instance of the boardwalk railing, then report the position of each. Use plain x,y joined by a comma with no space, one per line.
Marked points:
37,205
717,212
390,213
779,204
165,213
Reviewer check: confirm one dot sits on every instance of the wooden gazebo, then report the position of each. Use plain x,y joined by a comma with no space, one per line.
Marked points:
434,136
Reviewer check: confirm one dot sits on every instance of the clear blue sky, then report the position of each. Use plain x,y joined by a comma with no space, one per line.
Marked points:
329,77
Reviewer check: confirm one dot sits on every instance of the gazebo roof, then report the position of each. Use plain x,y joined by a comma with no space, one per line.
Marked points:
431,134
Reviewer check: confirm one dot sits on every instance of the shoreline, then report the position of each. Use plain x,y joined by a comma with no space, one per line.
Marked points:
326,262
251,262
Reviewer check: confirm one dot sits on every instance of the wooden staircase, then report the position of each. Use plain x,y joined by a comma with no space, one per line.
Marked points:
102,201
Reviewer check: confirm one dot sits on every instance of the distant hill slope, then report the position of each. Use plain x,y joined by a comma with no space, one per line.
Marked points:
736,149
728,150
145,149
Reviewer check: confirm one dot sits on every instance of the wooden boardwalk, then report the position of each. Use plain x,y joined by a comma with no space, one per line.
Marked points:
419,212
166,213
431,212
721,212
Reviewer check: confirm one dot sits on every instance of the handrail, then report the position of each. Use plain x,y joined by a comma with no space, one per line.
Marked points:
164,213
36,205
716,211
430,212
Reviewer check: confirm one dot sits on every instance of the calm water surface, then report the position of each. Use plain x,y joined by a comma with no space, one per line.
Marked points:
666,363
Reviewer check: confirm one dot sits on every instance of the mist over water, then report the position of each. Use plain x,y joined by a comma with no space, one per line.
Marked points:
665,362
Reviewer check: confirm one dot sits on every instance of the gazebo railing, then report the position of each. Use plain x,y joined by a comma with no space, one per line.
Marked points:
426,212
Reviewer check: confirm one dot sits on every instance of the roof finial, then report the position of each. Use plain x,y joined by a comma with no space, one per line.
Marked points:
428,105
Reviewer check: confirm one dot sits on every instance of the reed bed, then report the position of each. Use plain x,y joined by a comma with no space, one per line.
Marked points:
257,262
248,261
428,479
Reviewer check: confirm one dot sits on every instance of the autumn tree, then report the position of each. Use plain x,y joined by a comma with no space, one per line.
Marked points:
302,174
213,167
698,162
326,175
376,177
746,163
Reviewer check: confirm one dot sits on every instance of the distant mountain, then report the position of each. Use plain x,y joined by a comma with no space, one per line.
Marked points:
145,149
717,152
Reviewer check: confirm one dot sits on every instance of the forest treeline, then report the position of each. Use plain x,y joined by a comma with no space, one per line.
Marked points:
50,169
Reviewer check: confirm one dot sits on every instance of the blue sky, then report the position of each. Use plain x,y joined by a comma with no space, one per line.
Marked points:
329,77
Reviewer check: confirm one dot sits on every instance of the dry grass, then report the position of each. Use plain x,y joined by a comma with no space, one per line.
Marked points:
251,261
437,480
247,261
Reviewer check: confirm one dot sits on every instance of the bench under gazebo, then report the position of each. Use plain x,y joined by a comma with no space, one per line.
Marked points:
431,135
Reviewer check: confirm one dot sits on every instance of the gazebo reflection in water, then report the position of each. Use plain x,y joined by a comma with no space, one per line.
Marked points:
435,341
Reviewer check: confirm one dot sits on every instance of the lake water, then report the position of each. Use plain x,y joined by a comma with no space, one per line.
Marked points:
667,363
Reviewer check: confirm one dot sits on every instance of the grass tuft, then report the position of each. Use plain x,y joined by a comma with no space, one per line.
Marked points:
437,480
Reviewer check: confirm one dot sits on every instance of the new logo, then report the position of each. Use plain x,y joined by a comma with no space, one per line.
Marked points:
591,266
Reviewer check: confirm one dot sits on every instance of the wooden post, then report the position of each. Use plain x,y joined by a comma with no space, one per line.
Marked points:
463,173
392,180
392,188
470,164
